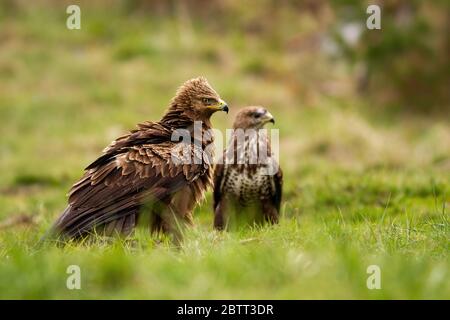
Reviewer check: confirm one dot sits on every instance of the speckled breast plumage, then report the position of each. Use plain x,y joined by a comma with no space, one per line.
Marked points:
248,184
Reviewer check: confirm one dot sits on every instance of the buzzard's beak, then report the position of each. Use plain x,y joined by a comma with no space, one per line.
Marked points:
223,106
268,117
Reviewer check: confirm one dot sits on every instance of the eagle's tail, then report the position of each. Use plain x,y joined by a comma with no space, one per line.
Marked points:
54,232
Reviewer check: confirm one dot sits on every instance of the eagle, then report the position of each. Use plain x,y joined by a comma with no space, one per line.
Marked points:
140,176
248,180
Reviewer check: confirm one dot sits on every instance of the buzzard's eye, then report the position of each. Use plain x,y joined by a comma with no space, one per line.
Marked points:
208,101
257,114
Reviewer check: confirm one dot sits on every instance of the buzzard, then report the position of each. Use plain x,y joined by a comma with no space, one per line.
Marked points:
137,178
248,180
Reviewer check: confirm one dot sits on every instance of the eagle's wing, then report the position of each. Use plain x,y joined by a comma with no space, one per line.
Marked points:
218,200
218,176
117,184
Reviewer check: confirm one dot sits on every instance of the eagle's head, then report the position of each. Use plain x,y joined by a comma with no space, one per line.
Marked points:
198,100
254,117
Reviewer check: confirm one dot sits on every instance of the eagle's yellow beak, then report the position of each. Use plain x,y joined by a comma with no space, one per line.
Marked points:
222,106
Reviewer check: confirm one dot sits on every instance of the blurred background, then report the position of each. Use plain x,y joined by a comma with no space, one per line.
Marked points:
340,91
363,114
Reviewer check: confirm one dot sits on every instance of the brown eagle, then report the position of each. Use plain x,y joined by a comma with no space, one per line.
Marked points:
137,178
249,180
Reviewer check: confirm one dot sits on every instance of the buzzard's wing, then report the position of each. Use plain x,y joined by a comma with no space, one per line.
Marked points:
119,183
278,182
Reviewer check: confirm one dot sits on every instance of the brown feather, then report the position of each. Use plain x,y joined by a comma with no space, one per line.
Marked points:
136,169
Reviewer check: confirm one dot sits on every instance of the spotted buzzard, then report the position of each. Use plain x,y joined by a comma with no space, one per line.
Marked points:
249,180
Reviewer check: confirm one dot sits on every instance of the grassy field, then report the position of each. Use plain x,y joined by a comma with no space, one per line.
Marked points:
363,185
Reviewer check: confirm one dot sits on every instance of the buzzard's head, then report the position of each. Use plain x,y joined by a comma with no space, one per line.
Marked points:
198,99
252,118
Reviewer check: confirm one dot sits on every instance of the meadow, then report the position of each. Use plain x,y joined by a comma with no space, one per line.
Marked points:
364,184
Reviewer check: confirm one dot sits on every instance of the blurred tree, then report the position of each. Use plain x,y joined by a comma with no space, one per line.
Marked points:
406,63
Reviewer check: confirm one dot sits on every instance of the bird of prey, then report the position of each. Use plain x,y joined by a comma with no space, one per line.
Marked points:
137,178
248,180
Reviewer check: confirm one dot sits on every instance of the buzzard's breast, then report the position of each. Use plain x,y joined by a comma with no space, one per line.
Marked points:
248,185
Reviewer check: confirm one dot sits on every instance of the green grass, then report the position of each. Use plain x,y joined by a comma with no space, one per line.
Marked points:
361,187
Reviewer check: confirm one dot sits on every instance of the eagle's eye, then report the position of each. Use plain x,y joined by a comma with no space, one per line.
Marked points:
209,101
